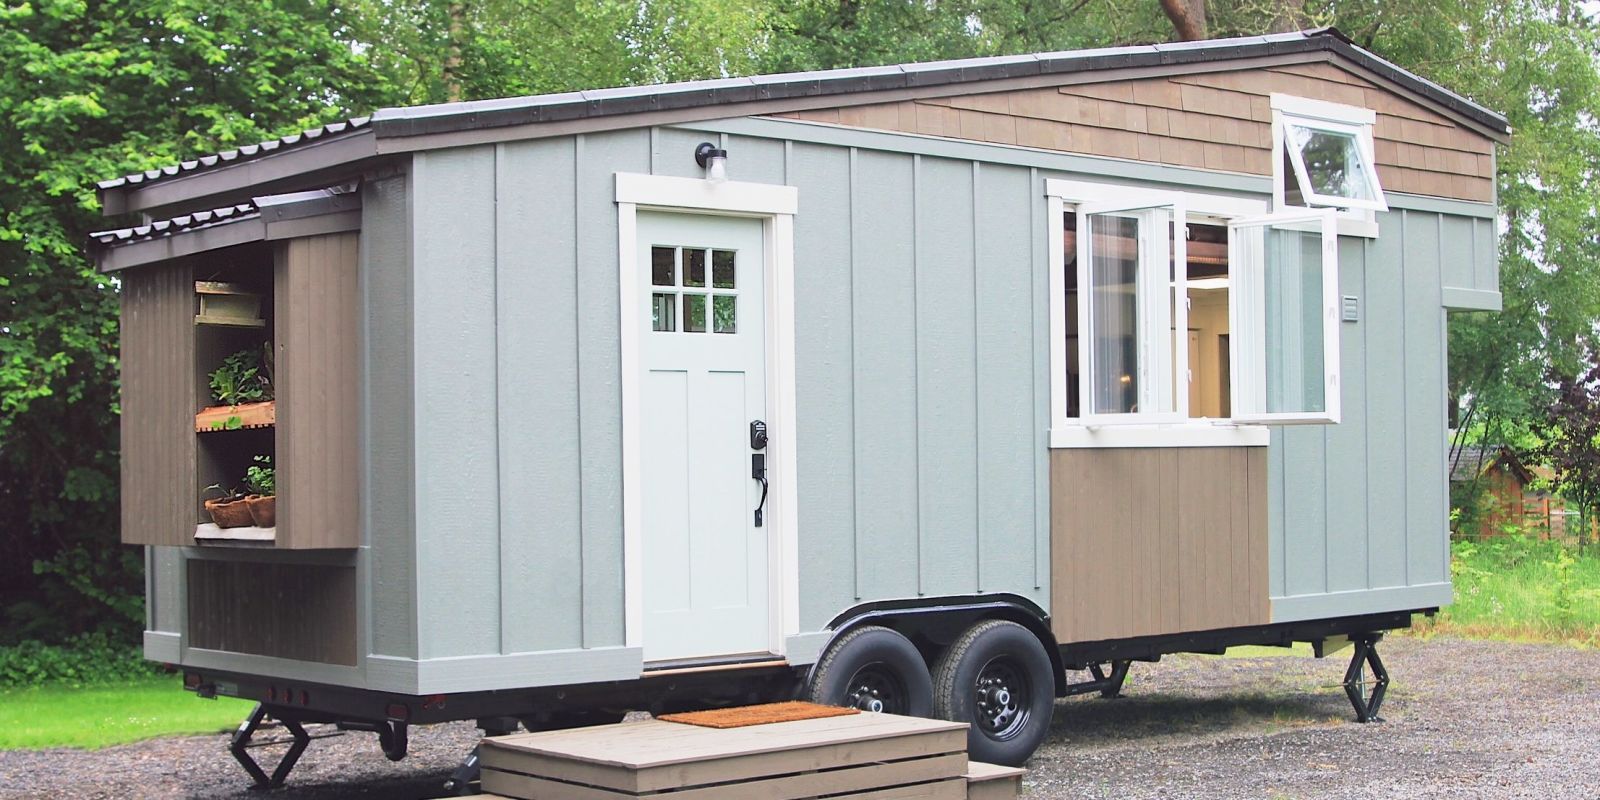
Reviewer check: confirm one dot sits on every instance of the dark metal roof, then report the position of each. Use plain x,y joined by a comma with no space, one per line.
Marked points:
274,208
244,153
479,114
179,224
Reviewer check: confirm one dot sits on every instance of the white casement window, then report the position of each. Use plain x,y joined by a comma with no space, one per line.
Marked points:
1323,156
1182,319
1283,274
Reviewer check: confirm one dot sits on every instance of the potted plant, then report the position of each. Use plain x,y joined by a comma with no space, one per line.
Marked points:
229,509
262,500
243,386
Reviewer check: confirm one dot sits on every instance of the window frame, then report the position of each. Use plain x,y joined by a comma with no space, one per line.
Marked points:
1149,268
1062,195
1337,118
1248,384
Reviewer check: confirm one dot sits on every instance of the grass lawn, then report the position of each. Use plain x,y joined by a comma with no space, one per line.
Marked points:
100,716
1513,587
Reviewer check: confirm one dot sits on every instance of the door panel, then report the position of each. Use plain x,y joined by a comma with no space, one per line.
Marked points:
702,381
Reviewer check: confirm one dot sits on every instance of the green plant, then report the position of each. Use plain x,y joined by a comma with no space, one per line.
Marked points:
259,477
225,494
87,660
241,379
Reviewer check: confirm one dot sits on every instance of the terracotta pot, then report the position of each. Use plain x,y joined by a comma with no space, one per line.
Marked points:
229,513
263,509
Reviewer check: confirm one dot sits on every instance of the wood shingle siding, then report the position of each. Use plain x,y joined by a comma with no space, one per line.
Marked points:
158,402
1206,120
1149,541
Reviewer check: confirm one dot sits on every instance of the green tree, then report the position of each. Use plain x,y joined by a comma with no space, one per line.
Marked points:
91,90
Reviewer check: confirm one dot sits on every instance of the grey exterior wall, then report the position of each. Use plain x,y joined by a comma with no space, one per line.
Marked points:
921,375
1358,511
389,538
921,409
491,368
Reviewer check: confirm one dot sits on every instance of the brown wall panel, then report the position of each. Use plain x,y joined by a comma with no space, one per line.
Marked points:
1148,541
158,405
1206,120
318,382
303,612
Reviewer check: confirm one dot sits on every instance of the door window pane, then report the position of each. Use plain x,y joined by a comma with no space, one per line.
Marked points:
1113,314
694,313
694,268
663,312
724,312
662,267
722,269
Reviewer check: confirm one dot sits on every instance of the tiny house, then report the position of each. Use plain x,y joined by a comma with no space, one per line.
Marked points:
916,388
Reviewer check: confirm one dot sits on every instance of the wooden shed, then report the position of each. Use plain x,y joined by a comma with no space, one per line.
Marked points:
1060,361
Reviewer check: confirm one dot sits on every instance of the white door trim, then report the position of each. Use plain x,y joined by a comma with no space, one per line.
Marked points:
775,206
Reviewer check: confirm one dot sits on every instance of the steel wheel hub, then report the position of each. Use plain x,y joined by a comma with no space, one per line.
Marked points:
876,688
1002,695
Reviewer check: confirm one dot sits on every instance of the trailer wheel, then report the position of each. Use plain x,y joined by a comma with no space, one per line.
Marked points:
874,669
997,677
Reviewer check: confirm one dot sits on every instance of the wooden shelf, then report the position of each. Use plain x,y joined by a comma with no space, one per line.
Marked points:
251,415
209,533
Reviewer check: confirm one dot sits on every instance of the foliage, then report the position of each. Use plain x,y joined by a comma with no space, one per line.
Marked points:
86,660
1571,439
1519,587
103,715
241,379
90,91
259,477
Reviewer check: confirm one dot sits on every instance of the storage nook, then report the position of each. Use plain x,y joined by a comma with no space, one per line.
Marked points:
241,422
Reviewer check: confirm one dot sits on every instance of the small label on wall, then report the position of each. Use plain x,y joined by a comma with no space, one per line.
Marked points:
1350,308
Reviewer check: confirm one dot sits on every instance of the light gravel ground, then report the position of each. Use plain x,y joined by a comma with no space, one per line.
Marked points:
1463,719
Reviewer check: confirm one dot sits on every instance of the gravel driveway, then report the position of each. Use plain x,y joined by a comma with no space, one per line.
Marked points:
1463,719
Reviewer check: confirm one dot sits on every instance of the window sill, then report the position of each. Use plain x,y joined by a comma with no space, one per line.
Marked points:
1194,434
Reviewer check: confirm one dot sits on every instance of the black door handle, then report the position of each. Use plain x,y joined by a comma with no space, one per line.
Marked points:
758,471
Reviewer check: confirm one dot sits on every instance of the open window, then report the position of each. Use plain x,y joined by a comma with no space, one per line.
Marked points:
1284,307
1131,272
1325,155
1189,319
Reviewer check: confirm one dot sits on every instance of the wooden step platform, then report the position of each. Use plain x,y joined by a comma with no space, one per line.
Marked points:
857,757
993,782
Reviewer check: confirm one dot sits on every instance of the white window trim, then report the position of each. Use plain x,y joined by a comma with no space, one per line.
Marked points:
775,206
1359,219
1067,432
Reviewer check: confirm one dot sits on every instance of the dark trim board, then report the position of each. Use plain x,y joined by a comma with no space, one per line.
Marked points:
1079,655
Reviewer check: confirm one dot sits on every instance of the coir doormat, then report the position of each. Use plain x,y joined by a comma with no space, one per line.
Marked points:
757,715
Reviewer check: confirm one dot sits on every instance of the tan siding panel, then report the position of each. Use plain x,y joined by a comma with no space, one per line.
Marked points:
158,405
1152,541
318,371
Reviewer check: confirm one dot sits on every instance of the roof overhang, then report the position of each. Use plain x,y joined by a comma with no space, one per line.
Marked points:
264,219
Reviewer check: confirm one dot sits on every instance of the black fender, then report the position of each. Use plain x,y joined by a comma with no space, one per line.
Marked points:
925,619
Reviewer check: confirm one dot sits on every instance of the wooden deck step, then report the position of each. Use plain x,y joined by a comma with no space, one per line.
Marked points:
858,757
993,782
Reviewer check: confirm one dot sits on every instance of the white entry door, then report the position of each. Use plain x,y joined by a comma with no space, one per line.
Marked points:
702,382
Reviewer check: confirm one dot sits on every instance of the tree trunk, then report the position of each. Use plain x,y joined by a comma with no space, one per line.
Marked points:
1188,18
452,61
1289,16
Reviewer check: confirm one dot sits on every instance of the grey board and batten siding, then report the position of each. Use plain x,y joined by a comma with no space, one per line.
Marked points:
920,382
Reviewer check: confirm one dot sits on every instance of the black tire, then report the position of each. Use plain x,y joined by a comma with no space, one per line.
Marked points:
874,669
997,678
